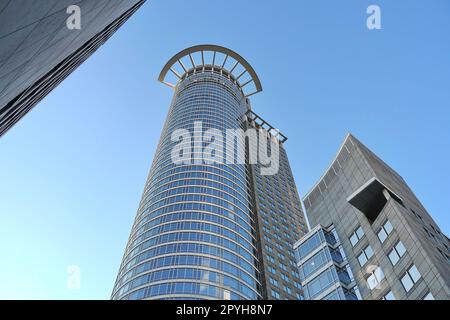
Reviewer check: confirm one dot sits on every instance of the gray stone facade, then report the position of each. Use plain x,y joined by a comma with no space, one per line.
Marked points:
399,252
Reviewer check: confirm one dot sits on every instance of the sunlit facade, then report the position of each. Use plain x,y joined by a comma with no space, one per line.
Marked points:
393,246
198,233
324,270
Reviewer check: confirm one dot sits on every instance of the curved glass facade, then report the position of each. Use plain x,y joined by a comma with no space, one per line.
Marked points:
194,234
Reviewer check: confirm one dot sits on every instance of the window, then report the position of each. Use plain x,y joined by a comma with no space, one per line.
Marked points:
320,283
283,266
428,296
334,295
365,255
418,216
385,230
356,236
388,296
357,293
273,282
309,245
430,235
375,278
410,278
396,253
288,290
314,263
444,255
275,294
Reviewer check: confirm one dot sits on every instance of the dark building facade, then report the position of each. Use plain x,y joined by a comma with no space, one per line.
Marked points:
38,50
212,230
394,248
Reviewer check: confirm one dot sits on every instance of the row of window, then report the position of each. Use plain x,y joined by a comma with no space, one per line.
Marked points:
245,241
191,260
235,178
185,289
239,209
201,207
394,255
228,254
199,216
196,183
436,236
235,175
245,223
186,236
382,234
408,280
291,225
231,195
276,295
193,274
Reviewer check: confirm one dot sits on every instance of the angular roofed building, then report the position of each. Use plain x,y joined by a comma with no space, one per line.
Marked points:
394,247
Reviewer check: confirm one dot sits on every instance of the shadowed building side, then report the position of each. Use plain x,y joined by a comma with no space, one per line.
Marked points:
38,51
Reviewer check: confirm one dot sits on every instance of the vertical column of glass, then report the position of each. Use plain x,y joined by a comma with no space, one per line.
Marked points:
193,236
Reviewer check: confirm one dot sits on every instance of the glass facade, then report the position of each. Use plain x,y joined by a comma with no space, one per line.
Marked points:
212,230
194,234
324,270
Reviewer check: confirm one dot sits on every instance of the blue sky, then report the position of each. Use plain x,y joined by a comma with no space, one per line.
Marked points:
72,171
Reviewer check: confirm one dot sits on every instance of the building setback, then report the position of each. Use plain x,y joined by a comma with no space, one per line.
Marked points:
213,231
38,50
394,248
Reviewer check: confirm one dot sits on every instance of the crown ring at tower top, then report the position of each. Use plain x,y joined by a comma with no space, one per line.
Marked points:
212,58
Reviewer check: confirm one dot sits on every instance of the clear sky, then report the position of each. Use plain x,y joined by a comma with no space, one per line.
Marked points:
73,170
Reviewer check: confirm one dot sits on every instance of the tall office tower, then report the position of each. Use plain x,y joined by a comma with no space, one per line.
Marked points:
221,230
40,45
280,223
394,248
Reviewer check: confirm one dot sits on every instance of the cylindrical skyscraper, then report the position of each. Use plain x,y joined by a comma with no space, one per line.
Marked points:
193,236
204,230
